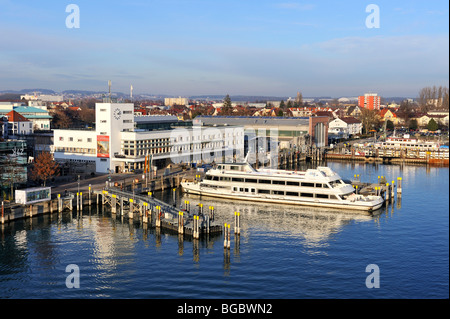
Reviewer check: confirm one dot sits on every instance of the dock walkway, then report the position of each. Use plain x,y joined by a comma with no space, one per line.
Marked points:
158,213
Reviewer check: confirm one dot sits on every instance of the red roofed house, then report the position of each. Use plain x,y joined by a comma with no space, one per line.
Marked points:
390,115
18,124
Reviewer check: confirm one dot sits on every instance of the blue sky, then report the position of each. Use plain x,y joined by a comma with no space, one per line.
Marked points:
321,48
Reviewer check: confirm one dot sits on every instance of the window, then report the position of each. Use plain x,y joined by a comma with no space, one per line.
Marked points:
215,178
127,112
102,121
71,139
263,191
237,179
89,139
102,110
291,194
227,179
278,192
127,121
289,183
308,184
307,195
278,182
251,180
264,181
322,196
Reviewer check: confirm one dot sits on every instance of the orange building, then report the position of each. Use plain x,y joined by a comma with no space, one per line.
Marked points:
369,101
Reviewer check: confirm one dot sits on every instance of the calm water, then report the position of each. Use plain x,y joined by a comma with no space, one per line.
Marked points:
283,252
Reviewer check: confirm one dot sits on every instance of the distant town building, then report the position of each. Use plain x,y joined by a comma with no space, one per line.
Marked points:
345,126
171,101
18,125
42,97
369,101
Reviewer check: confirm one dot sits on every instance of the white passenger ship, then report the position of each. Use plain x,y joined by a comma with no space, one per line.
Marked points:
319,187
406,142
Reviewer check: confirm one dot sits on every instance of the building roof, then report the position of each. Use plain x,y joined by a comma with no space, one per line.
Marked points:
13,116
350,120
29,109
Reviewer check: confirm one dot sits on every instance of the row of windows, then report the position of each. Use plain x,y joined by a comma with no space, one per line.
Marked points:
70,139
279,192
209,136
124,112
265,181
80,150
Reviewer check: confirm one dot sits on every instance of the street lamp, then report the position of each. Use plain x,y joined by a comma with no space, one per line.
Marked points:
109,177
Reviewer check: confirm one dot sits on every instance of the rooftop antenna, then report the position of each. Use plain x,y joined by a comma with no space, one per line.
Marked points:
109,85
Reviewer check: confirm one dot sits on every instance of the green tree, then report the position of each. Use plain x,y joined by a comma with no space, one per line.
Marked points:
413,124
227,109
432,125
389,125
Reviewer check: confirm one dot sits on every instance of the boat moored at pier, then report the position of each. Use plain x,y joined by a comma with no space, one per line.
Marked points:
320,187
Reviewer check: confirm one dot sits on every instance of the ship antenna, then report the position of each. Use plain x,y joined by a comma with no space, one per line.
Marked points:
246,157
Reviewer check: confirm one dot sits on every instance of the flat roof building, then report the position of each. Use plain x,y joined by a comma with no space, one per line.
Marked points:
122,142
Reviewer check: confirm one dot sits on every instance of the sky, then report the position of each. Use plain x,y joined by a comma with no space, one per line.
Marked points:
245,47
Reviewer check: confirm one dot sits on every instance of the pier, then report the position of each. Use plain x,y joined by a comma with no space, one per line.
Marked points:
158,213
370,154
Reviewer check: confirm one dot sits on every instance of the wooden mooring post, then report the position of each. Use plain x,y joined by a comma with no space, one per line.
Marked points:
237,223
180,223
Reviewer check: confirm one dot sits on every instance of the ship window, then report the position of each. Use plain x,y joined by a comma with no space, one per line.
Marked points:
278,192
246,190
234,168
208,178
215,178
292,183
223,178
237,179
251,180
291,194
319,185
307,195
264,191
278,182
321,196
264,181
308,184
241,189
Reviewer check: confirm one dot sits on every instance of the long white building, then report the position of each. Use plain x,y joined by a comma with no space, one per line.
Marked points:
122,141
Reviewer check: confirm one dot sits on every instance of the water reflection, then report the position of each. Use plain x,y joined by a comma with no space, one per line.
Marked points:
312,225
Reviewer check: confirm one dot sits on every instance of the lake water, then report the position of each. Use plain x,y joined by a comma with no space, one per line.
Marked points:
283,252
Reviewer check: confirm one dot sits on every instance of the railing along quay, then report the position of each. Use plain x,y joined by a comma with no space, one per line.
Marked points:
158,213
